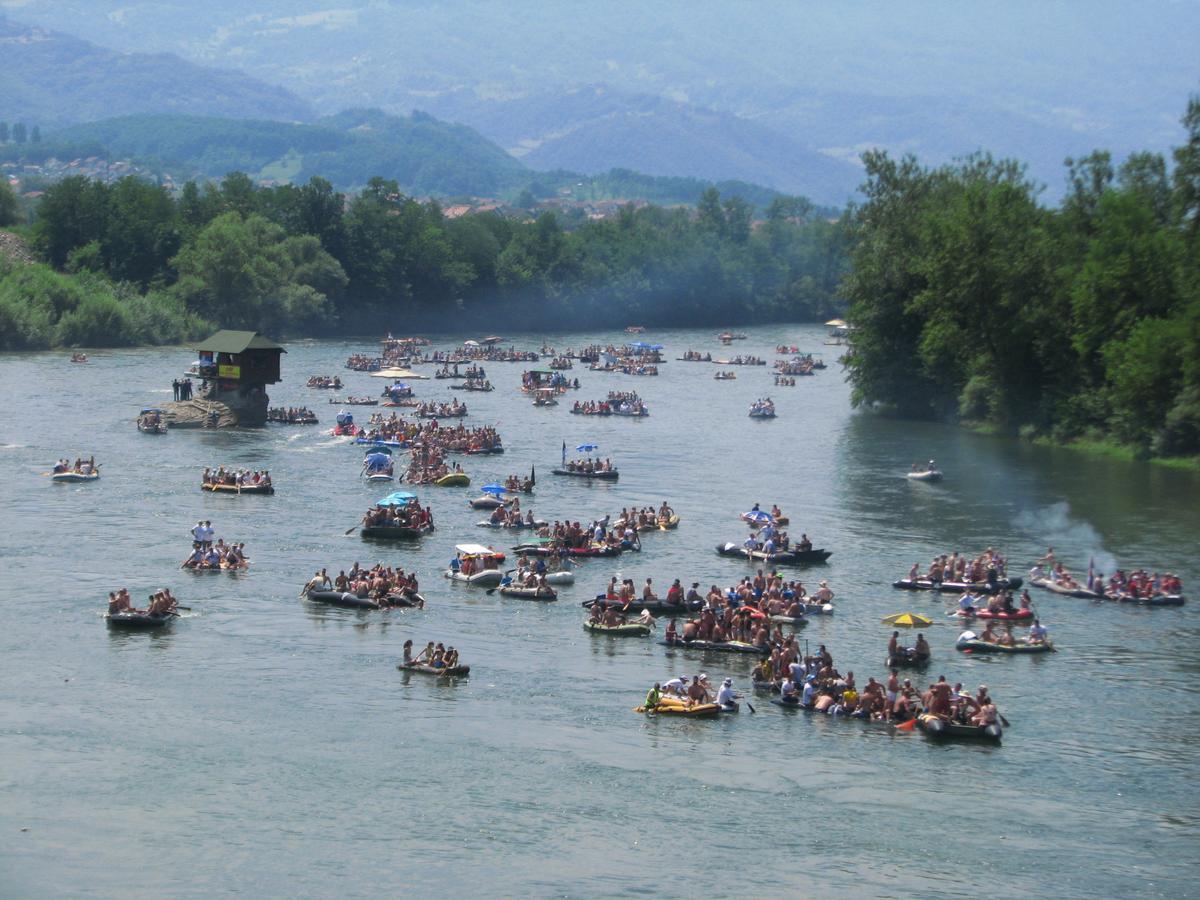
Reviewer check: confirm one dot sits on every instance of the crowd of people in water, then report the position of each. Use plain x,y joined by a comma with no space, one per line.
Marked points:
236,477
158,604
79,467
292,415
325,382
383,584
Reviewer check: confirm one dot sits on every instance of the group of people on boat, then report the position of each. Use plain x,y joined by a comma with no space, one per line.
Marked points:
589,465
784,380
450,439
361,362
428,465
435,656
79,357
1140,584
473,372
725,376
379,583
1038,634
694,691
355,401
561,363
988,567
160,603
79,467
510,517
515,483
762,408
647,518
451,410
625,367
207,555
474,384
769,539
971,604
292,415
325,382
696,356
236,477
916,655
634,408
740,360
406,515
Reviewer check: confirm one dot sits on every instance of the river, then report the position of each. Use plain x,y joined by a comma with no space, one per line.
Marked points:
266,746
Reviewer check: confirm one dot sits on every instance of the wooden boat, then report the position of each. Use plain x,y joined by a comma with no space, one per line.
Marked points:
716,646
629,629
139,620
71,477
545,595
353,601
237,489
958,587
603,475
394,532
426,669
935,726
780,557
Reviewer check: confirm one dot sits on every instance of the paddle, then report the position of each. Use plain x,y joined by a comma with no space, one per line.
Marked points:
350,529
1007,724
750,706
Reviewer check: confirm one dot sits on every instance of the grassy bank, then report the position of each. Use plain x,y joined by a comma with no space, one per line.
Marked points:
1123,452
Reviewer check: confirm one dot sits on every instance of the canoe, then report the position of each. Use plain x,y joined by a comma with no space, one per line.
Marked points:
978,646
938,727
717,646
74,476
1048,585
234,489
606,475
930,476
133,620
353,601
528,593
629,629
781,557
485,578
957,587
423,668
394,532
453,479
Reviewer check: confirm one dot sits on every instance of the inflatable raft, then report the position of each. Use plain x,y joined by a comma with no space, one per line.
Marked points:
938,727
238,489
717,646
1017,615
453,479
673,706
629,629
425,669
605,475
74,476
1083,593
394,532
958,587
977,646
353,601
654,607
528,593
780,557
140,620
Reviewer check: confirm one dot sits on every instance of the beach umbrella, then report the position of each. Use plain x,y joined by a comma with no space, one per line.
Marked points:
907,620
587,448
757,515
493,489
397,498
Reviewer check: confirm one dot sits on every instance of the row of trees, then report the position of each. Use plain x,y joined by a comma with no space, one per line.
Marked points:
308,260
19,133
972,300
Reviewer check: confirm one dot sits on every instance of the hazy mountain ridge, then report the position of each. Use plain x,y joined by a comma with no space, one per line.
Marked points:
53,78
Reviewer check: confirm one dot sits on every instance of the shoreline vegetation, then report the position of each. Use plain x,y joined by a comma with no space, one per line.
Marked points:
1075,326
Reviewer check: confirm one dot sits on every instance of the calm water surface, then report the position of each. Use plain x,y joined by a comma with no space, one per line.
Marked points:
269,747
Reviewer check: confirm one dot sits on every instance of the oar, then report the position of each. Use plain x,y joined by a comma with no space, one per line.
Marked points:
351,528
188,608
1007,724
750,706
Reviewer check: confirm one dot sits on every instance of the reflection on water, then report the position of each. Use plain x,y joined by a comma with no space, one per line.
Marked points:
287,724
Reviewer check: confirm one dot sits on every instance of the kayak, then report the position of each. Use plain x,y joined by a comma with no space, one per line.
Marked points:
717,646
935,726
139,620
353,601
605,475
528,593
1048,585
424,668
74,476
958,587
453,479
236,489
783,557
977,646
394,532
629,629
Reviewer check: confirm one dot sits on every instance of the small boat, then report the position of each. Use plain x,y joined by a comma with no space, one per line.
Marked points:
1000,615
782,557
379,476
930,475
487,501
602,475
440,672
140,620
968,641
515,526
958,587
484,577
679,708
1156,600
395,532
453,479
629,629
668,524
717,646
654,607
149,421
935,726
260,488
528,593
1055,588
907,659
545,549
796,622
74,476
353,601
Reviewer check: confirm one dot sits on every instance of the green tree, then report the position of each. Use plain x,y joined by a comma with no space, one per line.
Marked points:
141,232
3,132
35,136
19,133
10,212
1187,171
71,213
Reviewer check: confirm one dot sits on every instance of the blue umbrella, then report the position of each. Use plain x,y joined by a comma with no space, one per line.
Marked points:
398,498
386,451
757,515
587,448
493,489
656,346
377,460
641,345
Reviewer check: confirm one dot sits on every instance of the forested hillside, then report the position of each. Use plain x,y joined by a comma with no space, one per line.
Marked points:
971,300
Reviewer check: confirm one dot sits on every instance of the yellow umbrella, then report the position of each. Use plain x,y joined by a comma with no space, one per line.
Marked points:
836,323
907,620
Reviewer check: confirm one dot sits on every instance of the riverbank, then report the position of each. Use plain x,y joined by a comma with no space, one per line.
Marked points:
1098,447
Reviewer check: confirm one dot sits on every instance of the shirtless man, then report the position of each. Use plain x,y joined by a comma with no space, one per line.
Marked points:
939,698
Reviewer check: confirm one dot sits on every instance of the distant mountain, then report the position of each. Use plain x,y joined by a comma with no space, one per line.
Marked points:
49,78
594,128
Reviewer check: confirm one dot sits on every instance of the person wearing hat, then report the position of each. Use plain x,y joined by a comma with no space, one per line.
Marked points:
824,594
808,696
726,696
676,685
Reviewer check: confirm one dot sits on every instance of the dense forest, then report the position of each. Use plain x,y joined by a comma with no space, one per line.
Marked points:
972,301
130,263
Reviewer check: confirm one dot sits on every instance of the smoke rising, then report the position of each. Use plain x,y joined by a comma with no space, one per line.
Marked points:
1055,527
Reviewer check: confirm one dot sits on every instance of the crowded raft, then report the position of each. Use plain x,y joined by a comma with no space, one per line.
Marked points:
380,587
292,415
80,470
325,382
237,481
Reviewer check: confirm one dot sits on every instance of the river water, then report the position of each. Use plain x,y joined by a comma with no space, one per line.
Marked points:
266,746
